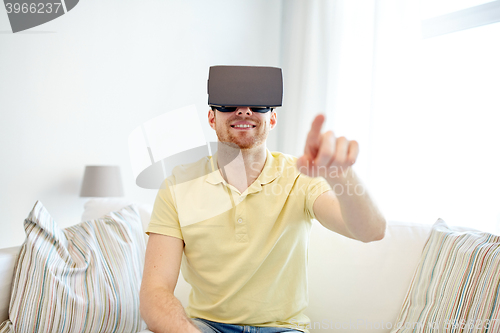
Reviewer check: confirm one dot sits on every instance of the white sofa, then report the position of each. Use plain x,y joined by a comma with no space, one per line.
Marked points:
353,286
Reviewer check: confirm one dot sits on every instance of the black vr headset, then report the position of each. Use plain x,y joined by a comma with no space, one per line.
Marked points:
259,88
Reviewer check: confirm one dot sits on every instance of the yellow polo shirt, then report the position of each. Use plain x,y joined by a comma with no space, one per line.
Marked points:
245,254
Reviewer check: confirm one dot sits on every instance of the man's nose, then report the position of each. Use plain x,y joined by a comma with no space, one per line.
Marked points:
244,110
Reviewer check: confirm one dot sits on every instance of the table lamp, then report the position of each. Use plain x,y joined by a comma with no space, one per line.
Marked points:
102,181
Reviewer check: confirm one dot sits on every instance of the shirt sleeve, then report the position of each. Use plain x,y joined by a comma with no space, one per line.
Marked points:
316,187
164,218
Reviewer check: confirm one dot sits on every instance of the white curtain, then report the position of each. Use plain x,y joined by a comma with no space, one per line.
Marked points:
344,58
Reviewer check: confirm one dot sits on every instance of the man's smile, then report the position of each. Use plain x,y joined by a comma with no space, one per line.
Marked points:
243,125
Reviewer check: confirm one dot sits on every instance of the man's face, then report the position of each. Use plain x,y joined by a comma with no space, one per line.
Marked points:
243,128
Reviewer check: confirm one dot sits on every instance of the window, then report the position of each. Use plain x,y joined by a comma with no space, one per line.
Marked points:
433,8
483,12
460,113
440,149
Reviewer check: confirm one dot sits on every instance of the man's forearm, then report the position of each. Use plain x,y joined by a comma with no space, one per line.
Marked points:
359,212
164,313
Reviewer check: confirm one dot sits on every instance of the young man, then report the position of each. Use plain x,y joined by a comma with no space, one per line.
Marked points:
242,219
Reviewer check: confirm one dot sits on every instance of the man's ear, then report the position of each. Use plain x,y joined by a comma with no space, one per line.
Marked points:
211,118
273,121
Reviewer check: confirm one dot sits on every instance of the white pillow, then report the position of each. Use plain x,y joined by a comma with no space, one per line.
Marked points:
97,207
84,278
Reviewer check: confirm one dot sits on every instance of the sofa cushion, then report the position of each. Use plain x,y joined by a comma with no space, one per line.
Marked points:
359,287
8,259
456,285
84,278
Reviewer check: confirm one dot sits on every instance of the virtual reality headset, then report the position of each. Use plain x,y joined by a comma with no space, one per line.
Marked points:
260,88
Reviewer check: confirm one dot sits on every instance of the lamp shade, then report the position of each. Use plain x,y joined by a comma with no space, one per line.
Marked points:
102,181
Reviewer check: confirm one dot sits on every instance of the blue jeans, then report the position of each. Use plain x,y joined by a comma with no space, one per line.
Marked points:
207,326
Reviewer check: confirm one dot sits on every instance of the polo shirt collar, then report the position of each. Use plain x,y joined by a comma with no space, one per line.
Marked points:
269,173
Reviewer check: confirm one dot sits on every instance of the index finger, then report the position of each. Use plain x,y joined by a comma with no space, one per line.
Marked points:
315,131
314,137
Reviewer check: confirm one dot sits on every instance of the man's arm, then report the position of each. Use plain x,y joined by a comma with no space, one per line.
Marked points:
160,309
349,210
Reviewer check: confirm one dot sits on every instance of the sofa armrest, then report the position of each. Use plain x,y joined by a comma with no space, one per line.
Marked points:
8,259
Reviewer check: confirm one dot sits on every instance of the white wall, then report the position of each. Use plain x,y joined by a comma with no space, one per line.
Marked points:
73,89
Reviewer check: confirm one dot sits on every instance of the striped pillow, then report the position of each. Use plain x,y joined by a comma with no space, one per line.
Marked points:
84,278
456,286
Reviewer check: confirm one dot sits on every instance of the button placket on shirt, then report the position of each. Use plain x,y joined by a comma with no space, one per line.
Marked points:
240,228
